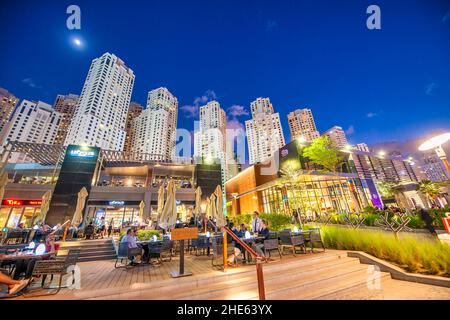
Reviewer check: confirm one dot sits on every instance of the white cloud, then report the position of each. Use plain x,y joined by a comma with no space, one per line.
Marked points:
430,89
350,130
191,111
30,82
237,111
371,114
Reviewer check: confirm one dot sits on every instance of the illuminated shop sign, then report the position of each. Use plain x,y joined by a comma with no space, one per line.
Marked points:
21,202
116,203
82,153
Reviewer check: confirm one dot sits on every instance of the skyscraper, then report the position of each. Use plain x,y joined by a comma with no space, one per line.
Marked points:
101,117
134,111
362,147
302,125
7,104
264,132
33,122
337,137
66,105
154,130
210,139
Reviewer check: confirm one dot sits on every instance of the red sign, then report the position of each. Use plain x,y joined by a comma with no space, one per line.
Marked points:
446,222
21,202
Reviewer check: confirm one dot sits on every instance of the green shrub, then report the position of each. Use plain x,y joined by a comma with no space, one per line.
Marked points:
143,235
242,218
410,253
277,222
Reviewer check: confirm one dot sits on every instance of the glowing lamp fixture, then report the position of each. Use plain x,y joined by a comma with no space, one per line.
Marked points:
295,229
381,153
35,227
301,139
32,245
247,235
436,144
154,238
40,250
208,234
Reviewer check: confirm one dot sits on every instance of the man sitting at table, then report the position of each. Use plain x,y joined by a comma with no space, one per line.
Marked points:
263,232
133,248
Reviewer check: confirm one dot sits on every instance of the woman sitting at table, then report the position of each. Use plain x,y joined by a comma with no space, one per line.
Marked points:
263,232
27,266
14,286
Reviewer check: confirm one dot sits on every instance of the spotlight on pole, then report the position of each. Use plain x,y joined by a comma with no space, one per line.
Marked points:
436,144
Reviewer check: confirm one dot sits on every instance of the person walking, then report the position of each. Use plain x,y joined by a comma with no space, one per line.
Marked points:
425,216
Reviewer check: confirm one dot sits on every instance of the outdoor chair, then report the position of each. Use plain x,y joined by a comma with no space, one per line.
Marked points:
287,240
217,252
166,249
127,254
200,244
271,245
315,237
273,235
57,266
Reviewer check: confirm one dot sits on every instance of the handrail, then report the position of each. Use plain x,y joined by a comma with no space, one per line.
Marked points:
259,259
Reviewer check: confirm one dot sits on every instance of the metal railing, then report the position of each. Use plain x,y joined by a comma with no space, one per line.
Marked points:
259,259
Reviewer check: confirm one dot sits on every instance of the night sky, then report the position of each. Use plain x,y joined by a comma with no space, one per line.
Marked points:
379,85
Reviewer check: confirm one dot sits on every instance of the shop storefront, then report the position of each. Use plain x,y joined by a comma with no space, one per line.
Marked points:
120,213
16,211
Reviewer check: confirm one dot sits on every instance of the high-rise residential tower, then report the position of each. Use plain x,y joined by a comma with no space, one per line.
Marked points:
66,105
210,138
264,132
337,137
154,130
7,104
134,111
101,116
33,122
362,147
302,125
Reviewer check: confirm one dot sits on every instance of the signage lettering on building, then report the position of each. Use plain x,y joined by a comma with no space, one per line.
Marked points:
82,153
21,202
284,153
116,203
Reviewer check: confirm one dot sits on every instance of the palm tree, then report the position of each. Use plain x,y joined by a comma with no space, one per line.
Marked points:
430,189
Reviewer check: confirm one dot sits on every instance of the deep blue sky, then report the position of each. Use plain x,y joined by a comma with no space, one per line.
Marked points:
388,84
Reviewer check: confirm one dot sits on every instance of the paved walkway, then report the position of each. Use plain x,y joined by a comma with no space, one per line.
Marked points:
329,275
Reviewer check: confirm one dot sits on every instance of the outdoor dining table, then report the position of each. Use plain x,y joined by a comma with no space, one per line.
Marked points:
250,241
16,257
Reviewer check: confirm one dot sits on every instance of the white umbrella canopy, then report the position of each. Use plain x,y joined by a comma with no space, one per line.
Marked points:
168,216
78,215
198,201
220,218
45,206
3,183
160,199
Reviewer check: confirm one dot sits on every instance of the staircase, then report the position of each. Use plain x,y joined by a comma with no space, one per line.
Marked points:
91,250
327,275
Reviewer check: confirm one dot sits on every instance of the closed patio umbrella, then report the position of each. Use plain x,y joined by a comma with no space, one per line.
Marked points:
45,206
220,218
168,216
160,200
213,206
198,201
3,183
141,210
78,214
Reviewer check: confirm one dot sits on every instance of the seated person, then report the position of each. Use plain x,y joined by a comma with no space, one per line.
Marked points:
133,248
27,266
14,286
89,231
263,232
